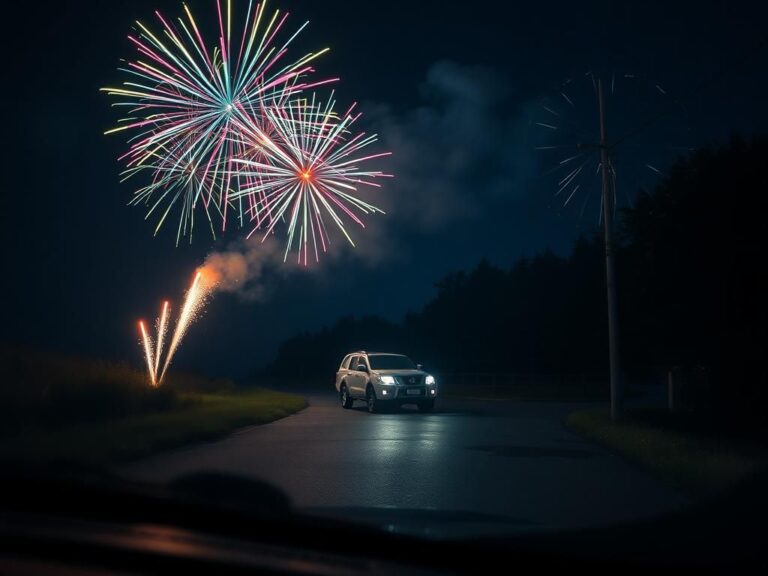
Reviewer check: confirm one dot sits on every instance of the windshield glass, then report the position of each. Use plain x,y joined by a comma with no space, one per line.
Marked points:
390,362
211,226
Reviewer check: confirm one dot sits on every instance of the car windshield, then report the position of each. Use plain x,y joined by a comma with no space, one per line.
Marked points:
390,362
561,217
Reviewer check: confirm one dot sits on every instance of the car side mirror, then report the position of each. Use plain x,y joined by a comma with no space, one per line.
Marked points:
419,366
362,368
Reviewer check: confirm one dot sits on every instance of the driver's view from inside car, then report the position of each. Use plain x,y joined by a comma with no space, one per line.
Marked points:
384,288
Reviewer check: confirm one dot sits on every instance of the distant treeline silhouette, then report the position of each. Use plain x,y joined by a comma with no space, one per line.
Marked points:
692,289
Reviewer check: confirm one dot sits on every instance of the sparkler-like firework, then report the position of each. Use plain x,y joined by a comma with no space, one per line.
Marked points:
162,329
193,304
147,343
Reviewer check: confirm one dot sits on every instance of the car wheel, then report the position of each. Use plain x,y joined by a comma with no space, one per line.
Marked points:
370,398
426,406
345,398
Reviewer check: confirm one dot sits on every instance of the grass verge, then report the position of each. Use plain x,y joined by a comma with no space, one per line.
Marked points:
693,462
199,417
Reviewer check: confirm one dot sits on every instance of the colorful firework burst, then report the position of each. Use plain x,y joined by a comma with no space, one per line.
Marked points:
310,169
182,99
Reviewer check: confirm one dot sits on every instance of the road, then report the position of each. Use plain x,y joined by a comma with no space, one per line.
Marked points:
486,465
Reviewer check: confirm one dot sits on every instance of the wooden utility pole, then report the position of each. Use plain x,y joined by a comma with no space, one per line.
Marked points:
610,272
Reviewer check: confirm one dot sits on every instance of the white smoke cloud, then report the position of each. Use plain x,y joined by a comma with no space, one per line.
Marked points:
243,266
464,148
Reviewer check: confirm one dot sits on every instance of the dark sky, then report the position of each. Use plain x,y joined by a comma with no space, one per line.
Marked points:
453,88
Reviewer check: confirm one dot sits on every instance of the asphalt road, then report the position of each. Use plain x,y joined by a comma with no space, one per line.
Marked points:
470,467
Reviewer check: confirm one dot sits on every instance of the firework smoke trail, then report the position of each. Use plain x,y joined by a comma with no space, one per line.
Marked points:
162,330
193,303
181,100
311,170
148,352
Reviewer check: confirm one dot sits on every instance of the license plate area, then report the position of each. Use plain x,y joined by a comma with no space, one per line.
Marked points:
414,392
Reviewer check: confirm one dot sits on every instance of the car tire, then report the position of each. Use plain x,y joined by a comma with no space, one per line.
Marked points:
426,406
344,397
371,400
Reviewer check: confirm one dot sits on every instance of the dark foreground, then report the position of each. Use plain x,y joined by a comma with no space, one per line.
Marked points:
470,468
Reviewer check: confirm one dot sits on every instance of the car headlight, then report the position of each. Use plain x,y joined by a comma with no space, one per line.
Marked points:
430,379
387,379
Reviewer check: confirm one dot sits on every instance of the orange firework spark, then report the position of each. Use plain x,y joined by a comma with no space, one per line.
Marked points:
193,303
148,352
202,285
162,329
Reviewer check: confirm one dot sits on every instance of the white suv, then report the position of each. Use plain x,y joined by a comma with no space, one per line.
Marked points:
382,380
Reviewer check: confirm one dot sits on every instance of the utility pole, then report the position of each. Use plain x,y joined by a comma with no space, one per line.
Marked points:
610,272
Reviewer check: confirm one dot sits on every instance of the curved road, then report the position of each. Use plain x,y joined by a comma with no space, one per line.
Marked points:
476,466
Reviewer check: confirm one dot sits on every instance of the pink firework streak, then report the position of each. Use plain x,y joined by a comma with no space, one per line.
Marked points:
311,170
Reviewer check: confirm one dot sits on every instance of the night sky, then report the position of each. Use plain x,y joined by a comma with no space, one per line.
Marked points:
451,87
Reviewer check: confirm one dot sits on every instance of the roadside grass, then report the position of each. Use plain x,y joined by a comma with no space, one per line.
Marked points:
197,417
43,390
691,461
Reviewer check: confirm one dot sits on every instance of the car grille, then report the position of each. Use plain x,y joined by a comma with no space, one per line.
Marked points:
411,380
411,392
